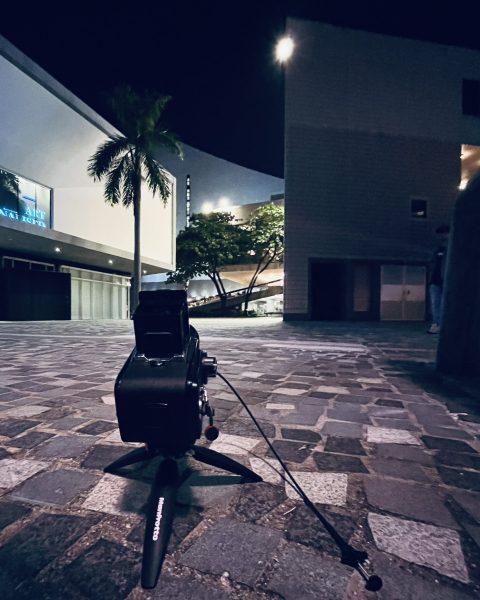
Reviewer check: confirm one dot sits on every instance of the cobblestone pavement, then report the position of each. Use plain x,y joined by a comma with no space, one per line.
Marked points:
387,449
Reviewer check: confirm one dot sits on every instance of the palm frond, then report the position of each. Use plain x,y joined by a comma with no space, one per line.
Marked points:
101,162
129,185
161,138
157,177
113,185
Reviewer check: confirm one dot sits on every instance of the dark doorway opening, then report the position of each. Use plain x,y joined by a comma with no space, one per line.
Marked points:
34,295
327,296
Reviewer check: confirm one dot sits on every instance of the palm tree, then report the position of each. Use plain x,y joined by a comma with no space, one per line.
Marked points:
125,159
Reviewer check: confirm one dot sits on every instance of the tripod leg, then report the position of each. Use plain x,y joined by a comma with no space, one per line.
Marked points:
210,457
137,455
160,513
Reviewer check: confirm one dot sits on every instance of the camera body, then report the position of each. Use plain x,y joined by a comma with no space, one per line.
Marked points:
160,393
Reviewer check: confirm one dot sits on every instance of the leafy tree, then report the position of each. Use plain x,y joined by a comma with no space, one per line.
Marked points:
125,159
266,238
209,243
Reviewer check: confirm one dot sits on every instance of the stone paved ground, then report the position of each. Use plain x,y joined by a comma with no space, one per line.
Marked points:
387,449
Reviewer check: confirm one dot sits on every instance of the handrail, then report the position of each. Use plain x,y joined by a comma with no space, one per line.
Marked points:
232,292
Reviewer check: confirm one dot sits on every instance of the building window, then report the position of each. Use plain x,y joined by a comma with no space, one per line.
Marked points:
23,264
418,208
23,200
471,97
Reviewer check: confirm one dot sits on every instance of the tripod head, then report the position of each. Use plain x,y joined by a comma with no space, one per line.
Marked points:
160,392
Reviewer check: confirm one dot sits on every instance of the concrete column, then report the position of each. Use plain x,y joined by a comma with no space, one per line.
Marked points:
459,341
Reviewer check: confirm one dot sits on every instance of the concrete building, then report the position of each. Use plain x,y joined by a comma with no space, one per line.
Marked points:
380,133
64,252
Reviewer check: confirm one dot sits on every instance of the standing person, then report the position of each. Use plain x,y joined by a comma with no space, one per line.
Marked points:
437,275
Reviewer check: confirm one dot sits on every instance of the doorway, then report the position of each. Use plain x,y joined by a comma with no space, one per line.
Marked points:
402,293
327,291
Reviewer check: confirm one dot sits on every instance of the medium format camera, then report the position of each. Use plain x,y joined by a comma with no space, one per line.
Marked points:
160,392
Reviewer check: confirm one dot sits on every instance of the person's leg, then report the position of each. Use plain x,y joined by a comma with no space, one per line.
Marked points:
435,305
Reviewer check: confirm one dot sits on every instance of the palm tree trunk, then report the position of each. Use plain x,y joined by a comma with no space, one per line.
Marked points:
137,256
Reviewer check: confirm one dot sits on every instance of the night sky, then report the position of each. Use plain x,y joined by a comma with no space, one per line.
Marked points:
214,58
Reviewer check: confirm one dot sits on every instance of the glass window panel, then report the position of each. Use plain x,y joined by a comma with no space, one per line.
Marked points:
24,200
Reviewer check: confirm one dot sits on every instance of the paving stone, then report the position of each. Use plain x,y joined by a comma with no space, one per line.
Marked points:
34,547
321,395
12,427
345,413
247,428
241,549
469,501
338,463
30,439
113,571
341,429
101,456
395,424
408,499
207,490
114,437
68,423
460,478
342,445
65,446
56,487
273,406
435,547
387,412
171,587
332,389
458,459
305,415
14,470
291,391
391,403
31,410
305,528
448,432
404,452
233,444
304,435
263,467
322,488
379,435
399,469
303,574
10,512
117,496
442,444
296,452
108,413
97,427
258,499
352,399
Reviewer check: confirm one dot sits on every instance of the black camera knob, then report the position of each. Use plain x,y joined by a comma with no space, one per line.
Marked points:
211,433
209,364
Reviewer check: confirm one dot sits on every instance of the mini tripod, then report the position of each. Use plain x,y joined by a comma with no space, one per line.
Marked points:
161,504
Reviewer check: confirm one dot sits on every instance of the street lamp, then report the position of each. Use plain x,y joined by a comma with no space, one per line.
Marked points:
284,49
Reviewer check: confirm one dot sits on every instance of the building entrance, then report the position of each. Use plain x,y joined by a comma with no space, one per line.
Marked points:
402,293
327,285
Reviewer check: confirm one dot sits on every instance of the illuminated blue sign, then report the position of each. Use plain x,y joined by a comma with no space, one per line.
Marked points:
30,215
